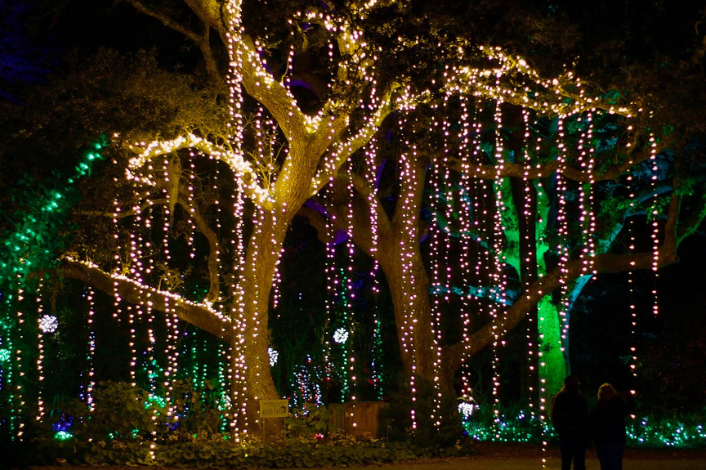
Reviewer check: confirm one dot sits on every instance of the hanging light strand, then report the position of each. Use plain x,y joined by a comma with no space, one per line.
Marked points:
40,354
466,146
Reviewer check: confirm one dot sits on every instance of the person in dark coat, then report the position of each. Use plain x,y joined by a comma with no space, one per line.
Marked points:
569,414
608,425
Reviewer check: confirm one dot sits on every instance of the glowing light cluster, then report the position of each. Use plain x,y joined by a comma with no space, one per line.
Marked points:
274,356
48,323
340,336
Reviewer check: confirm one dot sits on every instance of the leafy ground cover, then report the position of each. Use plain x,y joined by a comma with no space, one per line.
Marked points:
494,456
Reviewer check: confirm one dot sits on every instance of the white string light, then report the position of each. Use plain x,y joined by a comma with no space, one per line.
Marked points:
47,324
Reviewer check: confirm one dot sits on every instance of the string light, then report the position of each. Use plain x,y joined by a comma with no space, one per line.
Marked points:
468,219
47,324
21,397
498,279
348,355
408,232
91,349
655,223
371,180
530,243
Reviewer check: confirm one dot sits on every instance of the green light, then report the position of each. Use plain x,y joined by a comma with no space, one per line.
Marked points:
525,429
4,355
38,236
159,401
63,436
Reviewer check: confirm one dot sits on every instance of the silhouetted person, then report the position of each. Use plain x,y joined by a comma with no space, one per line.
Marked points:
608,426
569,413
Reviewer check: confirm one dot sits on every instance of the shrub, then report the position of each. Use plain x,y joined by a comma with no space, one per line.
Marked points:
309,423
119,412
396,419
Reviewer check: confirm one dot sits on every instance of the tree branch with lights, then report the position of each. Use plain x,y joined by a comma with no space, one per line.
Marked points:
198,314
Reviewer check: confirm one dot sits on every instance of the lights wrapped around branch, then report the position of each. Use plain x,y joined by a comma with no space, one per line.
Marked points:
235,160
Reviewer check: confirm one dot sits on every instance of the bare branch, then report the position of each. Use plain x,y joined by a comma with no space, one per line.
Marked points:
274,96
202,40
122,214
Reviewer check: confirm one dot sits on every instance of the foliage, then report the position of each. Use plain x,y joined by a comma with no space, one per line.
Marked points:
214,450
40,217
649,430
222,453
119,413
197,410
127,96
308,422
509,424
396,422
677,430
127,427
122,413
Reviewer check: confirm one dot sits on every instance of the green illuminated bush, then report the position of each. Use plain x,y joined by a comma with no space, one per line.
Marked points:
511,424
685,430
680,430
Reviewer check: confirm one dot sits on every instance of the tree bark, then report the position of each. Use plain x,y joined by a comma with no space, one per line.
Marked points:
252,378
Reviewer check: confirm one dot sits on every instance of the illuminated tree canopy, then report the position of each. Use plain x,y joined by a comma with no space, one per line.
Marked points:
443,153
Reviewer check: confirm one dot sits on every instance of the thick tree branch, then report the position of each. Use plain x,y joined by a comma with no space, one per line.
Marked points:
341,151
165,20
507,78
516,170
606,263
274,96
256,80
696,217
317,220
241,168
363,206
199,315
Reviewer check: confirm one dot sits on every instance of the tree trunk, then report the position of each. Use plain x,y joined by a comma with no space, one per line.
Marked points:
552,361
409,288
252,378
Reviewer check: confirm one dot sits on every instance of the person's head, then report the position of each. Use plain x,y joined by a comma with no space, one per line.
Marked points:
606,392
571,382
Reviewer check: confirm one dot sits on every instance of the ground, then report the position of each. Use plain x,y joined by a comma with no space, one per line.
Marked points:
493,456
